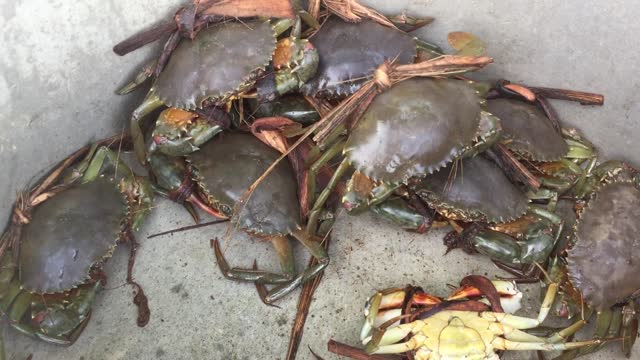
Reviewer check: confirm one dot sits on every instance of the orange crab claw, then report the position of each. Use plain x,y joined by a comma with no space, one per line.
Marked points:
425,299
465,292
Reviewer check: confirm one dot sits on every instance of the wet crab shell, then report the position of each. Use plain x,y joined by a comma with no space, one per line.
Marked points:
225,167
475,189
604,263
414,129
221,61
528,130
69,234
349,52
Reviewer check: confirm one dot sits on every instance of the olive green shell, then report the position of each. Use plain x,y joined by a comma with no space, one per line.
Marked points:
222,60
226,166
604,264
476,190
529,131
414,129
70,233
349,52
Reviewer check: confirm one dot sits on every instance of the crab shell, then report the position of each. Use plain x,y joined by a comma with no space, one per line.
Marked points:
414,129
349,52
227,166
604,263
69,234
474,190
528,130
221,61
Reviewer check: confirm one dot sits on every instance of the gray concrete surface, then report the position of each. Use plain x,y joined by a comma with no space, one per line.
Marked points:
56,93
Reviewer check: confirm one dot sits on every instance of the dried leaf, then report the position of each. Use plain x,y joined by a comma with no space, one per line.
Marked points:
466,44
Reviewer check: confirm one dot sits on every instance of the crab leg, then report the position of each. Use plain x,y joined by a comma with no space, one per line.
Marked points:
324,195
514,334
315,167
520,322
503,344
128,179
141,77
385,344
149,104
317,250
238,274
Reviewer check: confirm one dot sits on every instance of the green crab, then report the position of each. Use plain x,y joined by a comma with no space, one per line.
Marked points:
605,232
408,132
222,63
221,171
60,235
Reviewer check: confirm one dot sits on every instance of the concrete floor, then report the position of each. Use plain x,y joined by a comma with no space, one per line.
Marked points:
56,90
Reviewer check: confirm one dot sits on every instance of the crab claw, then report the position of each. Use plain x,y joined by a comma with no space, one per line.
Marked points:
510,295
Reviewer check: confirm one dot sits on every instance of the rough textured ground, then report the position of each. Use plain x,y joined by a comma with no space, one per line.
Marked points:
56,91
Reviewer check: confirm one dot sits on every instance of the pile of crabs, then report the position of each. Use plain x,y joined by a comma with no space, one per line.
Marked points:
274,119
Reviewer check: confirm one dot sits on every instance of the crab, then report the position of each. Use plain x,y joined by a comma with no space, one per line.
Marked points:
221,171
606,229
529,132
560,159
391,307
224,62
61,235
349,52
408,132
464,334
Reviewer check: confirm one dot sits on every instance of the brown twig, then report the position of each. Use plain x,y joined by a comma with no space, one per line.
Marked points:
551,113
352,11
304,303
210,9
355,353
512,167
186,228
584,98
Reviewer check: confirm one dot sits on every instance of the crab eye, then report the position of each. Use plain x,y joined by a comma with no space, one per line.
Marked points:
226,209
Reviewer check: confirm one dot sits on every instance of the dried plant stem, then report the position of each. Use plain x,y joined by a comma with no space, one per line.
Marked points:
209,8
304,303
355,353
583,98
351,10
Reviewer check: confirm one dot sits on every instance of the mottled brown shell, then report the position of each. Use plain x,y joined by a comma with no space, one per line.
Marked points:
226,166
70,233
476,190
604,264
414,129
528,130
222,60
349,52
